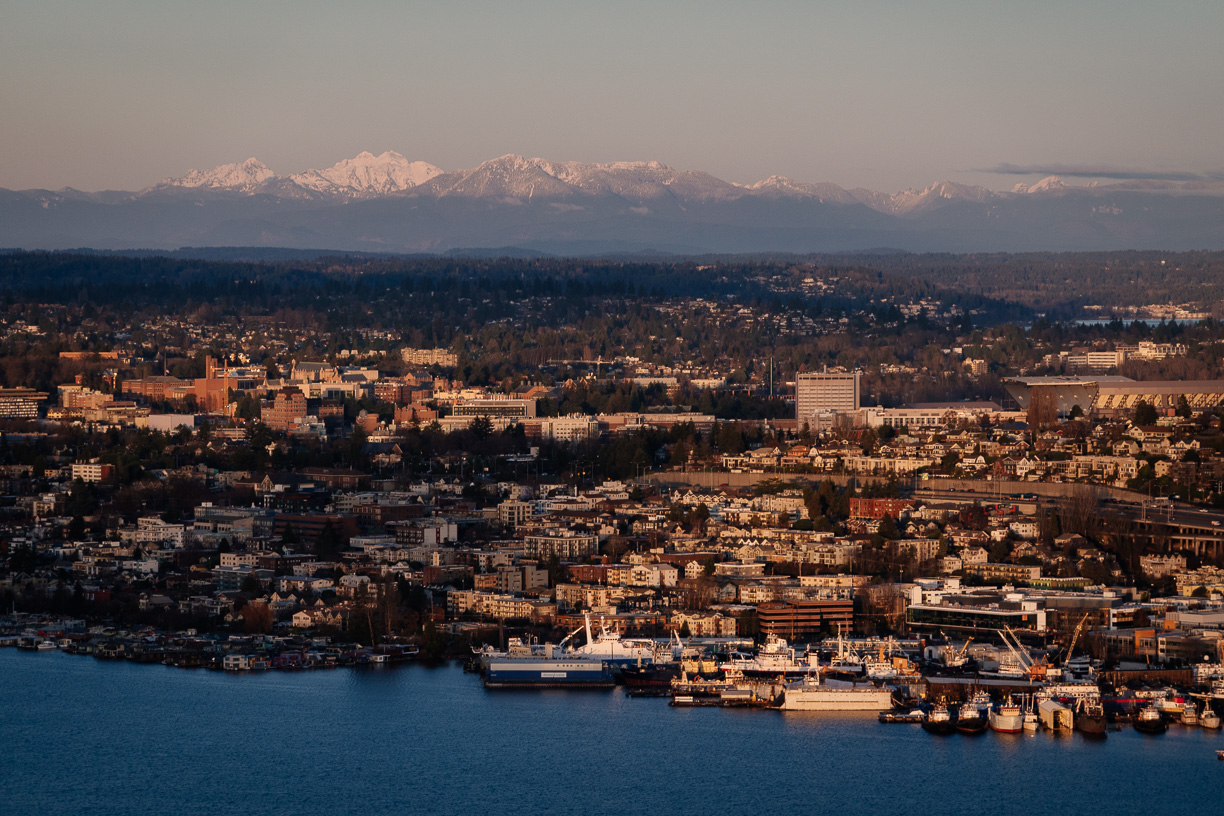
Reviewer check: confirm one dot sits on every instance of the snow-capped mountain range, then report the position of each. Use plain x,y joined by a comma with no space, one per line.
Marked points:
516,177
392,204
362,176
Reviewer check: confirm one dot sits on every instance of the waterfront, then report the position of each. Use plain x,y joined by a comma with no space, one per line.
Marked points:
89,736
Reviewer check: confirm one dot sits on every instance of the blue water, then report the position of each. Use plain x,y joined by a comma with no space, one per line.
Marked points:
82,736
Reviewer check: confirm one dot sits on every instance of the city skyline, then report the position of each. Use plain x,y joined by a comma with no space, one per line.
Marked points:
123,94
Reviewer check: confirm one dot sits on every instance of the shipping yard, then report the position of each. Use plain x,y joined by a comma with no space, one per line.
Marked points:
946,687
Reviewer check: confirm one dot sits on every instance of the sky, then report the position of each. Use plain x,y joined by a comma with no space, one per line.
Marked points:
119,94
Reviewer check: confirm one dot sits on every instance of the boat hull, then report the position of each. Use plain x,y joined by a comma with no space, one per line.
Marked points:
971,725
939,727
836,699
1006,722
1092,725
1150,726
542,673
655,676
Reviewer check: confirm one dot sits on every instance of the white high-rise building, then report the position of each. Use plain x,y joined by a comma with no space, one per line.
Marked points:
826,391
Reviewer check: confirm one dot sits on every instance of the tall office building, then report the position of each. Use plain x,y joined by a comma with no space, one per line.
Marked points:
826,391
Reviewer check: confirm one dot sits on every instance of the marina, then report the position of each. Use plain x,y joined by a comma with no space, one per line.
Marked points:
435,734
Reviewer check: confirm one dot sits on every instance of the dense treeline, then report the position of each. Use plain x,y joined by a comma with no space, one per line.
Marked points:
136,282
527,320
1061,284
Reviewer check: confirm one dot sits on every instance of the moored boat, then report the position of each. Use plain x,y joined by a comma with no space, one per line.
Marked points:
1171,705
650,676
1090,718
536,672
776,658
1150,721
971,715
912,716
970,720
939,721
1209,719
813,694
1006,718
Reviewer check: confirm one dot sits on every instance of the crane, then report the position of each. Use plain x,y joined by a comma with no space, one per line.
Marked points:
1075,636
964,648
1034,669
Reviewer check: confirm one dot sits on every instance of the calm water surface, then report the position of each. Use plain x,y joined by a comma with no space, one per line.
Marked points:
83,736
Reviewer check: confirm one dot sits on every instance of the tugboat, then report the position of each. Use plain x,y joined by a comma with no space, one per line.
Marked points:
1189,715
939,721
1149,721
971,716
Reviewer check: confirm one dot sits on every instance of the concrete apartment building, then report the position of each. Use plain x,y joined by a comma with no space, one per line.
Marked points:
826,391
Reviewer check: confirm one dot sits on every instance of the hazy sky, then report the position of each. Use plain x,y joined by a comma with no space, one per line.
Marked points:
108,94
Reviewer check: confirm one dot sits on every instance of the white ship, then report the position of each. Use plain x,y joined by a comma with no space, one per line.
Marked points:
811,694
1007,718
611,648
775,658
516,648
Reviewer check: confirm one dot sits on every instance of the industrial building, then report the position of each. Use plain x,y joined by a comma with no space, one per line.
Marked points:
1116,396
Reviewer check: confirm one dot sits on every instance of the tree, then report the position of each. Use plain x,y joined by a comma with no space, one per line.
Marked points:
999,551
1145,413
328,543
482,427
76,529
257,618
1076,412
252,586
685,632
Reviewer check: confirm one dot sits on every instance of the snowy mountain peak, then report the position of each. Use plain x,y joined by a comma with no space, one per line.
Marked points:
245,177
1047,184
367,174
772,182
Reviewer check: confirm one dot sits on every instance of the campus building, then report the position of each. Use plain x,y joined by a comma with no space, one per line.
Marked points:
826,391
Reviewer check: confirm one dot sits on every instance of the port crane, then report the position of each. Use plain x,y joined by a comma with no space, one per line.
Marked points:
1035,669
1079,627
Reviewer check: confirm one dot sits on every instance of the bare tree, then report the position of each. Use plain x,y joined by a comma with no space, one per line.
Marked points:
257,618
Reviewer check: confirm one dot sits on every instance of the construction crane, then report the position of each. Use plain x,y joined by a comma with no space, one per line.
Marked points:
964,648
1035,670
1079,627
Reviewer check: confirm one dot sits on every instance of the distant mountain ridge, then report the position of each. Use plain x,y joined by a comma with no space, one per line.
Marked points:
388,203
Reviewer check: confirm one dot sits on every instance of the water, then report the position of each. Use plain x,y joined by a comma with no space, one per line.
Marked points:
84,736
